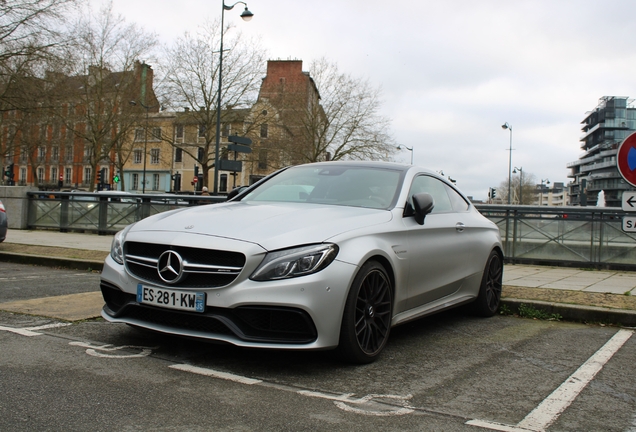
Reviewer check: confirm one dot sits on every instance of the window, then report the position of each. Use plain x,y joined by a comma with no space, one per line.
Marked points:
202,130
179,131
139,134
54,175
69,153
55,153
42,153
154,156
68,175
137,156
223,183
446,198
264,130
262,159
40,174
87,175
201,154
225,129
178,155
135,181
155,182
156,133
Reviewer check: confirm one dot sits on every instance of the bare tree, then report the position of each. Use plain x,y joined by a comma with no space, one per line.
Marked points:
345,123
191,81
523,190
28,30
100,78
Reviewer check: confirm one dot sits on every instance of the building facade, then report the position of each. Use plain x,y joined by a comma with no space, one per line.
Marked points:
154,151
61,131
604,128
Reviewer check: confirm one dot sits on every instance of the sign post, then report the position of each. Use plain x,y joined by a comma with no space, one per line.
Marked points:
629,205
626,164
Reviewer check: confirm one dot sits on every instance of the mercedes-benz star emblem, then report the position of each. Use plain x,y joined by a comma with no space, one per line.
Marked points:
170,267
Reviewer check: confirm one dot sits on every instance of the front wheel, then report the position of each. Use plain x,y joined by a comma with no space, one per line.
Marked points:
489,297
366,322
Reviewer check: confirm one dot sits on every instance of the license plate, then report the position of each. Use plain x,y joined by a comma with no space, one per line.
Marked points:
170,298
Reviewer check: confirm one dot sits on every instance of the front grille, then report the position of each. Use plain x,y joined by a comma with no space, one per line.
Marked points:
252,324
203,268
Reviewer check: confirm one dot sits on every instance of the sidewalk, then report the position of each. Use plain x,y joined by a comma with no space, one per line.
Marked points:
602,296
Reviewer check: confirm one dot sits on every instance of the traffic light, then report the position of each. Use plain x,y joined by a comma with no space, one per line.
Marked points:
60,182
493,193
116,178
99,177
9,174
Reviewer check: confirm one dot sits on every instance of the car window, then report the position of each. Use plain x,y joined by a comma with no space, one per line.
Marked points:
337,185
458,202
436,188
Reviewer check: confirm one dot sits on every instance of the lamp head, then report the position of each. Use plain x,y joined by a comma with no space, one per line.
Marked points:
247,15
506,126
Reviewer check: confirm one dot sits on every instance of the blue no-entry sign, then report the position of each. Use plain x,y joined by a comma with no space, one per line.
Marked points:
626,159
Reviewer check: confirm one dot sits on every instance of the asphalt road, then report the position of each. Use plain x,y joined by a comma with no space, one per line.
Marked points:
443,373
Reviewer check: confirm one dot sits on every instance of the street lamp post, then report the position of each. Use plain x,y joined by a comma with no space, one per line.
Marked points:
509,127
401,147
520,183
134,103
246,15
543,181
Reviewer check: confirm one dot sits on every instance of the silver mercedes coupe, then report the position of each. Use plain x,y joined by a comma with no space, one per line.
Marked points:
317,256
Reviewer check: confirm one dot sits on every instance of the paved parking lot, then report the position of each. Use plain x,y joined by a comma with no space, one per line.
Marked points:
447,372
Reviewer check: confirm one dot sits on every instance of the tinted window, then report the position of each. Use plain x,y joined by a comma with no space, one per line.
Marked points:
458,202
436,188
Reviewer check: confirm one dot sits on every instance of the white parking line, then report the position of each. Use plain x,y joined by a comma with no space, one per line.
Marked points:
29,331
368,405
20,331
215,374
553,406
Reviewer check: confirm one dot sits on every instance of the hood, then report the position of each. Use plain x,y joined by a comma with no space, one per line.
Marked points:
270,225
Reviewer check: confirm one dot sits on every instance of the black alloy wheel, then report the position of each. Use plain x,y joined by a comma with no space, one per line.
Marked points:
366,322
489,297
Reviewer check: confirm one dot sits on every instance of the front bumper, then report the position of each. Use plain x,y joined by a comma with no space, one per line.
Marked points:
298,313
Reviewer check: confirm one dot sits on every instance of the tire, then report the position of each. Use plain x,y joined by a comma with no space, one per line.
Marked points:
366,321
489,298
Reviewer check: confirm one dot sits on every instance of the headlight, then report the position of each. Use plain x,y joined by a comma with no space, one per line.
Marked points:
117,246
295,262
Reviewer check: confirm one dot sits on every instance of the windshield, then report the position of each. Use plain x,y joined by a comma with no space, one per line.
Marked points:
332,184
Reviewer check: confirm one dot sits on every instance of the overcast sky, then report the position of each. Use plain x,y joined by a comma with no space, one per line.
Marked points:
453,71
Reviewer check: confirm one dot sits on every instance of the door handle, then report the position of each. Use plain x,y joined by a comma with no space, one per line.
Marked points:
459,226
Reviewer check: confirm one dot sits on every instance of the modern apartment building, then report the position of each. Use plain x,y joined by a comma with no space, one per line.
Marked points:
604,128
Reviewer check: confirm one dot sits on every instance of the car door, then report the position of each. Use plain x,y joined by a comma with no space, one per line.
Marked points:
439,248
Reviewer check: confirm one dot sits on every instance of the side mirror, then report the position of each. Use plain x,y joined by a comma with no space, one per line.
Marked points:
423,204
234,192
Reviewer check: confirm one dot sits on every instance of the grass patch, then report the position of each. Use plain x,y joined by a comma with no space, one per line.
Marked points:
530,312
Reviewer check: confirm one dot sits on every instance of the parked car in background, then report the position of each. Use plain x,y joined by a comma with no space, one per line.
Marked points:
315,256
4,223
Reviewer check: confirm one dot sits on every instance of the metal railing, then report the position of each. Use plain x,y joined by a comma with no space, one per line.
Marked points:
572,236
102,213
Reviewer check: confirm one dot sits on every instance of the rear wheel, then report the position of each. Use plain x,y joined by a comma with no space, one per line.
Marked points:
366,322
489,297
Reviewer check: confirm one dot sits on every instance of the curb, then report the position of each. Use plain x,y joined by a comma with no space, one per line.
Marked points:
573,312
42,260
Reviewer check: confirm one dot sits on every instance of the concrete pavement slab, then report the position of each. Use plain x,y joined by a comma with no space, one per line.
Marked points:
72,307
